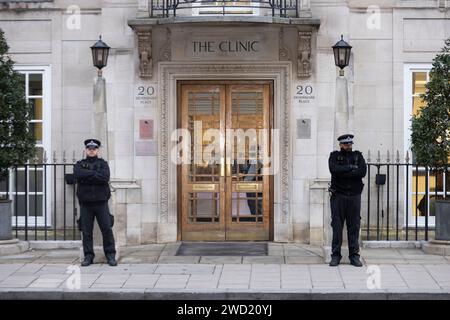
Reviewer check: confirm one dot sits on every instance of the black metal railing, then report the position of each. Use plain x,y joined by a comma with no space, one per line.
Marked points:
44,200
400,199
280,8
397,201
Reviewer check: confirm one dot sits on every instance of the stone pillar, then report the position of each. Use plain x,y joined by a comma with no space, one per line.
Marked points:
100,131
100,121
341,112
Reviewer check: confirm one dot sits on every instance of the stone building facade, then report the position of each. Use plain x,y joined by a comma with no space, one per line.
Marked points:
154,54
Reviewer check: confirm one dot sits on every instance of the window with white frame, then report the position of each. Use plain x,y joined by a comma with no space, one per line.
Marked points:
421,201
26,183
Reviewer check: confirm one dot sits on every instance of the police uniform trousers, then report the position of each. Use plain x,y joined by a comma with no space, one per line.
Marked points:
99,211
345,208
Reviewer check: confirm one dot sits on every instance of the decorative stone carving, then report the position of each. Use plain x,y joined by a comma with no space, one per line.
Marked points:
283,51
144,35
304,54
168,75
166,51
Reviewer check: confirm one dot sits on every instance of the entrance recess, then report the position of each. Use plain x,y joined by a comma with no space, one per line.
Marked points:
224,182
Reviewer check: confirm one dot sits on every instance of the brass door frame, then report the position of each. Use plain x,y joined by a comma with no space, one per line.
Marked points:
180,190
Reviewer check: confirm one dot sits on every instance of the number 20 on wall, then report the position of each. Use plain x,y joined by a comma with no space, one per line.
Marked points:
146,90
301,90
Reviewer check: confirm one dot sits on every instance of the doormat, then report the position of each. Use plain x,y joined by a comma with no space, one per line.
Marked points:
222,249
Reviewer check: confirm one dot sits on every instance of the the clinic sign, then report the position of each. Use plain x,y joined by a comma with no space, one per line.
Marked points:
226,46
226,43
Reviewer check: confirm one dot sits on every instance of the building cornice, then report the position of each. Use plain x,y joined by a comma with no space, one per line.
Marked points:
224,20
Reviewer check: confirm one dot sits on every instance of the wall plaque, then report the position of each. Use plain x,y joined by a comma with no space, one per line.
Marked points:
303,128
146,148
146,129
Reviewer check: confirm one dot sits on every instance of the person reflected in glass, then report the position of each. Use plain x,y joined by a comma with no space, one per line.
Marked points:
254,199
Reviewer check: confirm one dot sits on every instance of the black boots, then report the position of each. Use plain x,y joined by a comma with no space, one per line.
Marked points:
111,260
354,261
335,261
87,261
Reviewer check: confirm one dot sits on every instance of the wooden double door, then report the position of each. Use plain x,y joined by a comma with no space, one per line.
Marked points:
224,176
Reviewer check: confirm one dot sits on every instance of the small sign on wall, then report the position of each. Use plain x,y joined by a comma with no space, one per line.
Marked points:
146,148
146,129
303,128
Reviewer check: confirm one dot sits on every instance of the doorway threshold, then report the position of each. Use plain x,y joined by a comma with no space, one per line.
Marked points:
223,249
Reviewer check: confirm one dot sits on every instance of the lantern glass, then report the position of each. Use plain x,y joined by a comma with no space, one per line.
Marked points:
100,51
341,52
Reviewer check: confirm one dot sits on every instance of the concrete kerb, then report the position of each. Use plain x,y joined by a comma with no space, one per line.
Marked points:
16,246
434,247
228,294
65,294
393,244
52,244
13,246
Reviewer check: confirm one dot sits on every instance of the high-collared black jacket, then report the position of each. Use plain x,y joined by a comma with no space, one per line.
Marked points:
347,170
92,177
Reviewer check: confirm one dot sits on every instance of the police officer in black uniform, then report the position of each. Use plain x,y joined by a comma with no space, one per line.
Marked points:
347,169
92,177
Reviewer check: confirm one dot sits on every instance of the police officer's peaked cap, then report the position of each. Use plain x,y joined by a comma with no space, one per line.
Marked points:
92,143
346,138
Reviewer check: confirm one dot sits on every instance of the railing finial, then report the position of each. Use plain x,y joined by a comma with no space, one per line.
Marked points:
378,156
73,157
397,158
407,156
64,156
368,155
45,156
388,157
54,157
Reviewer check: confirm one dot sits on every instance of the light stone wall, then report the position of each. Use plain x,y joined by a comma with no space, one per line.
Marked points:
375,76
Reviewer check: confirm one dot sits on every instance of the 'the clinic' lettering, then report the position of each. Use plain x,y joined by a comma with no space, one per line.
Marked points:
226,46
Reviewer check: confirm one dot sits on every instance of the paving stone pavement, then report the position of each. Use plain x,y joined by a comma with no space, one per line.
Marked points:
294,267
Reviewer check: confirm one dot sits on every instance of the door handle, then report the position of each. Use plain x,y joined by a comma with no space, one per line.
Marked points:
222,167
225,167
228,164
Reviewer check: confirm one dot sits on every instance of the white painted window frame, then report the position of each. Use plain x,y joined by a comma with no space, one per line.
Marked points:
409,69
45,70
